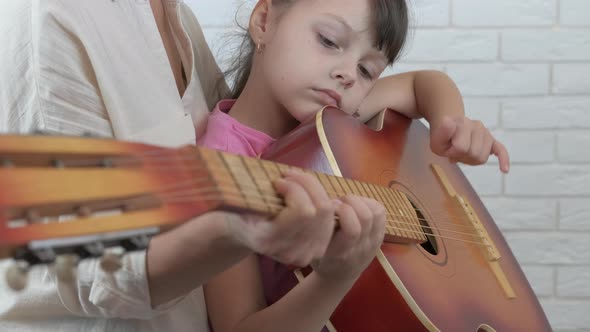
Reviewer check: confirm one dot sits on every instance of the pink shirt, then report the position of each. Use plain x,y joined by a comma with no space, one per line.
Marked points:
225,133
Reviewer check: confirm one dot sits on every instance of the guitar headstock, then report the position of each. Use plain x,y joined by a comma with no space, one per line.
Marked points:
75,197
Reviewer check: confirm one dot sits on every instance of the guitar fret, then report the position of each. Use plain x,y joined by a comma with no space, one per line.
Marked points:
369,192
399,225
247,187
374,194
393,214
352,187
325,181
383,198
378,197
264,185
271,176
361,190
364,189
282,168
336,185
220,177
271,169
344,185
254,184
275,171
272,172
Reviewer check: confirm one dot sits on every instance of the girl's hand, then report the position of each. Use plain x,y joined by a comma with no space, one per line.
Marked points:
467,141
301,232
355,243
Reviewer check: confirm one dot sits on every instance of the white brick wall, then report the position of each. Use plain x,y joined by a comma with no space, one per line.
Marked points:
523,67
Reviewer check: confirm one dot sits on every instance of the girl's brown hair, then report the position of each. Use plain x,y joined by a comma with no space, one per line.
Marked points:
390,23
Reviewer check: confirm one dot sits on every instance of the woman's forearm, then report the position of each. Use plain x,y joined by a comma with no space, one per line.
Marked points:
184,258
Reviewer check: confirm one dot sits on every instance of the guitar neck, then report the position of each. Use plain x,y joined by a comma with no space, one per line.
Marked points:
67,192
246,183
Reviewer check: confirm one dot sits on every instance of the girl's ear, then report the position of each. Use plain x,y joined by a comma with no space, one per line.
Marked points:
259,20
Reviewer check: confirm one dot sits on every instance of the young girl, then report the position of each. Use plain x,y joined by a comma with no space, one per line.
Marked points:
306,54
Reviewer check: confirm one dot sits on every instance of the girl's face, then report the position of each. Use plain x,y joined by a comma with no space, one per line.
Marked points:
320,52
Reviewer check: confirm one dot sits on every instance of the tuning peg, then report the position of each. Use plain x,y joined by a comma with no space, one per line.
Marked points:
138,242
6,163
46,132
65,267
33,216
93,249
17,275
84,211
111,262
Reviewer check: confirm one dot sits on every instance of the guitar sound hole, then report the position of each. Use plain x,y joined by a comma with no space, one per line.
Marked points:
430,246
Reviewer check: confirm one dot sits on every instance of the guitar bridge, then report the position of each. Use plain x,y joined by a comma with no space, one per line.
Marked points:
488,248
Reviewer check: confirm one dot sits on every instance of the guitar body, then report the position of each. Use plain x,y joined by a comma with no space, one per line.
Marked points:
449,286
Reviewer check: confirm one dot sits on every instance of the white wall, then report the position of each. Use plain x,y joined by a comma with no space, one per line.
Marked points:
523,67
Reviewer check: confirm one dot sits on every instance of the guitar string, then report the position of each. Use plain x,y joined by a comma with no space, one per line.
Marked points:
179,200
165,158
254,190
189,196
388,227
214,197
122,159
188,184
479,243
194,195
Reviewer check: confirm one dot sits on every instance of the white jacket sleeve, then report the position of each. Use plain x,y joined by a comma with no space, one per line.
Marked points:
123,294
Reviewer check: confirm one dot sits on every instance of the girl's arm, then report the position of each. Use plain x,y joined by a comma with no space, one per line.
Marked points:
434,96
235,298
429,94
235,302
186,257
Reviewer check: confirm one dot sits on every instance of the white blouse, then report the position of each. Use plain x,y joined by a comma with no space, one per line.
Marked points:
99,67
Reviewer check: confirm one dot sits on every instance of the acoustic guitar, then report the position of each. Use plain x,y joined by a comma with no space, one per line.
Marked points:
444,265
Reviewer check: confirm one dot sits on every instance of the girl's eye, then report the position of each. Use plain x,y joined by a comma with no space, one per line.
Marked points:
365,72
327,42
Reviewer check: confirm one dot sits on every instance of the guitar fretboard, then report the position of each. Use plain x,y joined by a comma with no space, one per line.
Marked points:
246,183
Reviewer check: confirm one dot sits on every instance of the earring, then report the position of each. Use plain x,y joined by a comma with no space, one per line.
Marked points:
259,47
